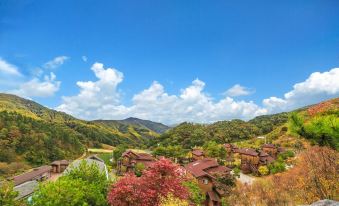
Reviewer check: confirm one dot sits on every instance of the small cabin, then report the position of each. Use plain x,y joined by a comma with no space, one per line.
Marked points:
59,166
26,183
197,154
130,159
249,160
270,149
206,170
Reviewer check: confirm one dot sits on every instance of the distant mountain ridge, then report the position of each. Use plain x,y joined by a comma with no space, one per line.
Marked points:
154,126
31,134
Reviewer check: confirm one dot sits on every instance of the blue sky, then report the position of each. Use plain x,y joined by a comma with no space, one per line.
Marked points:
263,47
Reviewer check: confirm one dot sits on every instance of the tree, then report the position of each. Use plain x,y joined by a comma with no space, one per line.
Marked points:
84,185
215,150
263,170
159,180
313,178
117,152
139,167
195,193
8,195
172,201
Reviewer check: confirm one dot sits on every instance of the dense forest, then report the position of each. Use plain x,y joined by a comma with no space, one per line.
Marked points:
319,124
31,134
189,135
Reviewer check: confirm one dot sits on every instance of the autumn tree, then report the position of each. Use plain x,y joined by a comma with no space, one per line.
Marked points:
159,180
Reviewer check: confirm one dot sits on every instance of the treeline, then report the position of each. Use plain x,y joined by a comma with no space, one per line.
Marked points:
26,141
189,135
321,129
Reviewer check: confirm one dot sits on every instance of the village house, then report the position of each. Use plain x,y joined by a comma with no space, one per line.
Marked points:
59,166
130,159
197,154
26,183
206,171
249,160
270,149
230,148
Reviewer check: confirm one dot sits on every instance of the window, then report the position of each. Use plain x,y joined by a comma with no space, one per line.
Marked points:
205,181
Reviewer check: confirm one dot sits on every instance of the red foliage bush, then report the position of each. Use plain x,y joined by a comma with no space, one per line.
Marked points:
160,179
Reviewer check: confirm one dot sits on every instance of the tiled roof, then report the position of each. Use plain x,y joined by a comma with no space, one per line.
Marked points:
32,175
26,189
263,154
268,146
198,152
248,151
207,166
140,156
60,162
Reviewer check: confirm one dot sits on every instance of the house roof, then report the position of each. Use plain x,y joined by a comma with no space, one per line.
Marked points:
28,176
139,156
26,189
60,162
263,154
205,167
198,152
268,146
248,151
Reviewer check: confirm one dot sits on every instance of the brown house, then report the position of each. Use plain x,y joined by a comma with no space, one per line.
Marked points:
59,166
38,174
264,158
249,160
26,183
206,172
130,159
231,148
197,154
270,149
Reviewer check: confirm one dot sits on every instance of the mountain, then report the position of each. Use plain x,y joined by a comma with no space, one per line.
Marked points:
154,126
31,134
318,124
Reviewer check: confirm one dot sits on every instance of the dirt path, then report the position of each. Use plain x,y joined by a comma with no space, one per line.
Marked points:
246,179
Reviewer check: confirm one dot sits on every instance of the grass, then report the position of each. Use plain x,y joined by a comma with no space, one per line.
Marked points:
96,150
106,157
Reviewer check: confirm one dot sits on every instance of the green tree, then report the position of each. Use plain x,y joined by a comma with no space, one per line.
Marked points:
215,150
8,195
139,167
83,185
196,195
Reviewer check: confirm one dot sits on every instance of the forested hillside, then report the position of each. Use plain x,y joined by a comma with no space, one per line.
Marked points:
189,135
31,134
317,123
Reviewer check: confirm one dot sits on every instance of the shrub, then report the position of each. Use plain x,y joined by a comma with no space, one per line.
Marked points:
263,170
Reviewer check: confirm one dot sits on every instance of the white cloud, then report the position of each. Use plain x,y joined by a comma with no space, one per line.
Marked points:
317,87
101,100
238,90
38,88
84,58
56,62
25,86
8,68
94,97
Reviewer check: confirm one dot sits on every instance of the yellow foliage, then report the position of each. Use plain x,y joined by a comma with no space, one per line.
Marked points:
170,200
